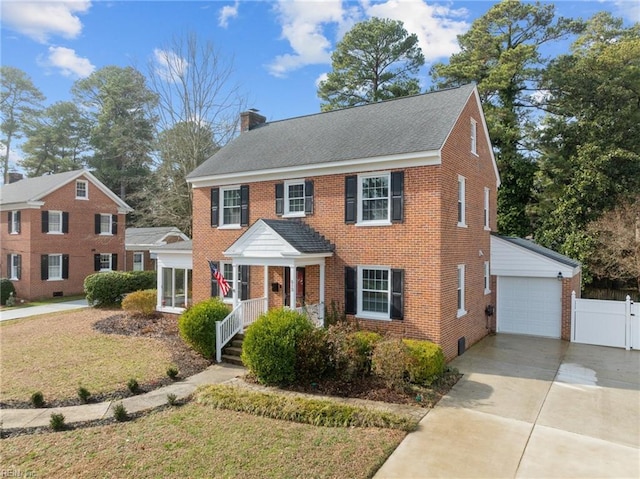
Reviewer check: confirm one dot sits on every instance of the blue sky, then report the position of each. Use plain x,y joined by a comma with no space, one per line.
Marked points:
280,49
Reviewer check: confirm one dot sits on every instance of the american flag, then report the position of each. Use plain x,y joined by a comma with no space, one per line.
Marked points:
222,283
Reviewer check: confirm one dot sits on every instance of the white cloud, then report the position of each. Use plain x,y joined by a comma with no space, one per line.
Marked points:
227,12
68,62
629,9
321,78
169,66
39,20
305,25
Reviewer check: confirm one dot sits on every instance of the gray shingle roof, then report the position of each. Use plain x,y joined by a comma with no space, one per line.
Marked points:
33,189
148,236
177,246
301,236
536,248
405,125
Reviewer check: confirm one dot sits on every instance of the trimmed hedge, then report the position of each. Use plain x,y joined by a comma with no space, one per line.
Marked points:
197,325
351,350
427,362
400,362
109,288
269,346
141,303
6,288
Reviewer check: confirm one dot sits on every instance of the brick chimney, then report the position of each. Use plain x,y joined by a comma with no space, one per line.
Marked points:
250,119
13,177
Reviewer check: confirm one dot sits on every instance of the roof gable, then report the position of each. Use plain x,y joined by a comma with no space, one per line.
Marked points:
151,236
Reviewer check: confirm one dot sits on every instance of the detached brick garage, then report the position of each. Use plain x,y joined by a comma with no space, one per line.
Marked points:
533,288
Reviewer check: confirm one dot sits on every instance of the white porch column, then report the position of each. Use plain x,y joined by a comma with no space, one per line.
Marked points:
236,274
293,282
266,283
321,293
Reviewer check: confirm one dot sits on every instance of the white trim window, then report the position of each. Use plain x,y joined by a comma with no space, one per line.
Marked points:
82,190
487,225
228,273
461,290
462,207
14,222
106,224
55,222
474,137
55,267
176,288
374,192
231,206
138,261
487,278
293,198
106,261
15,266
374,292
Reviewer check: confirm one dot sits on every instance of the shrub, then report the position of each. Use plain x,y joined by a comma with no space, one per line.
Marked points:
141,303
351,350
57,422
140,280
133,386
7,289
37,399
172,372
312,355
108,289
120,412
427,361
197,325
269,346
390,361
84,394
172,399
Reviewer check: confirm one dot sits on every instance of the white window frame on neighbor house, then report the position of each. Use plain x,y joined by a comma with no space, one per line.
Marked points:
288,199
487,278
224,207
14,265
228,273
106,224
55,270
462,207
106,262
138,261
474,137
487,225
362,200
461,290
84,190
58,215
15,224
362,291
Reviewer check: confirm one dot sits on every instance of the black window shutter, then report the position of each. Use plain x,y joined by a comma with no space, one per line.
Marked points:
97,223
244,282
44,267
397,286
114,224
114,262
19,267
65,222
279,199
45,221
8,265
397,196
350,290
214,283
215,210
65,266
350,193
244,205
96,262
308,197
18,220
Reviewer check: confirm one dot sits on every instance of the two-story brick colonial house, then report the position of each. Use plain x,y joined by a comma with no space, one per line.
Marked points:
56,230
384,209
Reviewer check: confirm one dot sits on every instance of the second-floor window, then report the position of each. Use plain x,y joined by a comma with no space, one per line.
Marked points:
374,199
82,190
294,198
55,222
14,222
106,224
230,206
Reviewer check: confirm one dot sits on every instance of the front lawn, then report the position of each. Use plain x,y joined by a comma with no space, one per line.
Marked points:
58,353
196,440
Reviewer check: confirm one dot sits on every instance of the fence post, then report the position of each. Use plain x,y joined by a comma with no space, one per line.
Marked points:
627,323
573,316
218,340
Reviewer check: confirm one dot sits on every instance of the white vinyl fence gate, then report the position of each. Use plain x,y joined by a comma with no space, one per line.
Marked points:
605,323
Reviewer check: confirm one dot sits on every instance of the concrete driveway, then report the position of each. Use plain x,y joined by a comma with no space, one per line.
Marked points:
530,407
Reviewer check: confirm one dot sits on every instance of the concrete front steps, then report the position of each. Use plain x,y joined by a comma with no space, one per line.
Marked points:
232,351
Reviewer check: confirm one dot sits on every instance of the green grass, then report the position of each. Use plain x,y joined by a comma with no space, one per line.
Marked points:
196,441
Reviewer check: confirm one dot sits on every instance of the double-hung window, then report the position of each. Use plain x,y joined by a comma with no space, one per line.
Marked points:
138,261
375,292
294,198
487,278
228,275
474,137
14,222
105,224
82,190
231,206
374,193
462,214
460,288
105,261
15,266
55,266
55,222
487,225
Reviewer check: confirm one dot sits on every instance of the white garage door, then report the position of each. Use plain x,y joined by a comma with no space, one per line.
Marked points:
529,306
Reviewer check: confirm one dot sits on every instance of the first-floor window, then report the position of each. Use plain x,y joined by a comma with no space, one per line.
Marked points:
105,262
375,291
15,266
55,266
487,278
227,273
176,287
138,261
461,310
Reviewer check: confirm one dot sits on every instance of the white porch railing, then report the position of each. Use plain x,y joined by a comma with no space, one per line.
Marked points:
242,316
315,313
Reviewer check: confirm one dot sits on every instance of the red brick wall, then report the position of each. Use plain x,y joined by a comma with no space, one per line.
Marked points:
80,243
149,264
568,286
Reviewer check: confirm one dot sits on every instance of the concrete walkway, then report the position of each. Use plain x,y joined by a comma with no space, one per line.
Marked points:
530,407
21,418
29,311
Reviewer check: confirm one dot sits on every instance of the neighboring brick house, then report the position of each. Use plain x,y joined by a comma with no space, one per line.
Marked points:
140,241
385,210
58,229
